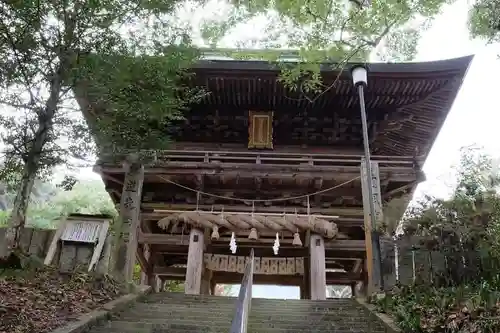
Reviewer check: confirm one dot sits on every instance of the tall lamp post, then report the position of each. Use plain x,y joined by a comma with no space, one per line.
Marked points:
360,80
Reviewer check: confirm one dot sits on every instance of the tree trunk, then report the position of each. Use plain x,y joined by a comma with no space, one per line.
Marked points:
17,219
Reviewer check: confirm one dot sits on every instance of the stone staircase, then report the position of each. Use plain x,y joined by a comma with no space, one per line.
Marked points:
179,313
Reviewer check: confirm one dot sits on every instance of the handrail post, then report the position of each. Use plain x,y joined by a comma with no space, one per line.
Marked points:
243,303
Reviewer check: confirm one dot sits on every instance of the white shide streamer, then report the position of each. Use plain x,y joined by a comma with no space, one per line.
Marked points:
232,244
276,245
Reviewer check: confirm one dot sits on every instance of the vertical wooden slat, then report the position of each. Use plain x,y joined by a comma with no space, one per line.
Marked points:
103,232
53,245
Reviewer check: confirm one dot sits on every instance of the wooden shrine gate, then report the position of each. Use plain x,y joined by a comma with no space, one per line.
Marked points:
301,248
254,165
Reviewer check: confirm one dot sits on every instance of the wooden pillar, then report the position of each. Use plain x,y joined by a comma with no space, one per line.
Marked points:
303,291
144,279
317,267
147,277
213,284
371,269
159,283
194,268
359,290
206,281
130,206
305,287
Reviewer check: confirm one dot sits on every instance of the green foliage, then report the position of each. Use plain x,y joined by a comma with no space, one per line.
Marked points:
51,203
137,104
44,51
484,20
174,286
458,309
329,30
465,228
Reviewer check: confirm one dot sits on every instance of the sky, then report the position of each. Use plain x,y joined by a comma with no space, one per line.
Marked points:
473,119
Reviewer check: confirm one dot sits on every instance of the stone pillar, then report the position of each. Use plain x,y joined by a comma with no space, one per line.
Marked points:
317,267
128,224
194,268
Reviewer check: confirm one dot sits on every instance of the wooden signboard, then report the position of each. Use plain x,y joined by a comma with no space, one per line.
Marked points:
80,229
272,265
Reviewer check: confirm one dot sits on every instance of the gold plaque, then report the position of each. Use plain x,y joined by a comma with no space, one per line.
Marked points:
260,129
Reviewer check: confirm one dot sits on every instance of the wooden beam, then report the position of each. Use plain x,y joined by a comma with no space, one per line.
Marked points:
179,273
179,240
398,174
357,266
290,190
164,239
105,176
387,195
338,211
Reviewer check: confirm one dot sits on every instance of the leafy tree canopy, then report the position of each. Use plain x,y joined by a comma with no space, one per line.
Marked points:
327,29
484,20
131,108
44,54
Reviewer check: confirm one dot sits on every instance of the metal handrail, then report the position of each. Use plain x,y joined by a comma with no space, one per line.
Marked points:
240,319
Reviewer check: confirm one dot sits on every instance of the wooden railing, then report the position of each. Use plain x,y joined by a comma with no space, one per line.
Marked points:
269,158
243,304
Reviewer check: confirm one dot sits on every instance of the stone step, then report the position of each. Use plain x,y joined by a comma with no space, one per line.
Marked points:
208,330
156,312
216,314
222,299
353,321
257,303
179,313
314,307
233,299
225,316
139,327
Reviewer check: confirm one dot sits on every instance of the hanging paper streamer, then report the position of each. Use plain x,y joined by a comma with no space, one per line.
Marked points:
232,244
276,245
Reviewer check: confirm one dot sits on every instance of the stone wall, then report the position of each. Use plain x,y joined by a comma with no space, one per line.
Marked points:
69,256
